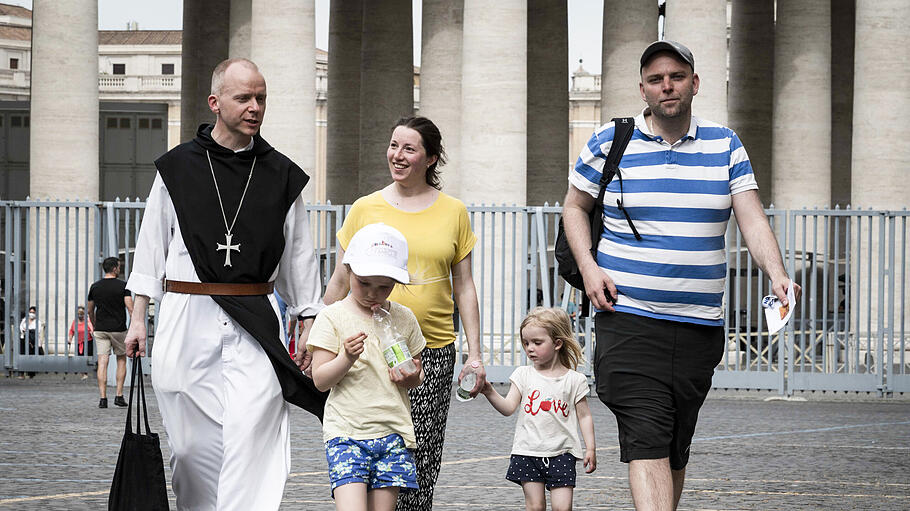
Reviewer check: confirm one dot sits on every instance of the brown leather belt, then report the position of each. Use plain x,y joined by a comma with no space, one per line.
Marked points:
219,289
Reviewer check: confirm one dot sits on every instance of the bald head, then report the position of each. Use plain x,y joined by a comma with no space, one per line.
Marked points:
222,68
238,102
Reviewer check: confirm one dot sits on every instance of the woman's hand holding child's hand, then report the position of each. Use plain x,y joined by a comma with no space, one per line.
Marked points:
407,380
353,345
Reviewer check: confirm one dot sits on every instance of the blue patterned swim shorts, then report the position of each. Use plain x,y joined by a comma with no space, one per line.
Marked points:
380,462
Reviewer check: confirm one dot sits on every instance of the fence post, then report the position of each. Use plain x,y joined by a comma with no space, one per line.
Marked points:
22,266
883,272
787,337
528,268
543,262
9,322
533,264
110,234
892,273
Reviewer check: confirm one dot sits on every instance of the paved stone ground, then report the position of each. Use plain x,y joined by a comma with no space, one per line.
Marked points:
58,451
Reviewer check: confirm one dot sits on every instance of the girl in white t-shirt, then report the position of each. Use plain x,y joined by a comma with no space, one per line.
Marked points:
367,427
550,395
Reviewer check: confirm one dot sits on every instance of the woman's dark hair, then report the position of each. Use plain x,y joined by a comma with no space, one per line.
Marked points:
432,144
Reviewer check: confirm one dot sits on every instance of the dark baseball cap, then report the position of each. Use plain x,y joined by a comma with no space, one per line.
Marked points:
672,46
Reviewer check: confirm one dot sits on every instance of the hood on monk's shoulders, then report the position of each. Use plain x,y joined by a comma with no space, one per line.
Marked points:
205,140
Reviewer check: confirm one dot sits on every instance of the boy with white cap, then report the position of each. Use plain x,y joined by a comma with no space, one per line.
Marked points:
367,425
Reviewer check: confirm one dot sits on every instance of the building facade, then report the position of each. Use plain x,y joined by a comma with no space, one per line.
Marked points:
15,52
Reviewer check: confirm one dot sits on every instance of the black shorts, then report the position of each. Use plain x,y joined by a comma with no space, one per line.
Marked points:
554,471
654,375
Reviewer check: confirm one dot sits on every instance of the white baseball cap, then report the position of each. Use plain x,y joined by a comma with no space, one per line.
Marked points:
378,250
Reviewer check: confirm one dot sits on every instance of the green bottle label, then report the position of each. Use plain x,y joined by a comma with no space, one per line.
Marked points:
396,354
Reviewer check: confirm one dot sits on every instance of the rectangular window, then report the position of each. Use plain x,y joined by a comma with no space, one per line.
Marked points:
156,124
119,69
14,63
167,69
16,121
124,123
111,122
143,123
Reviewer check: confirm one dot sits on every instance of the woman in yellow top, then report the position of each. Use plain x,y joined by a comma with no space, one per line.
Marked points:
440,240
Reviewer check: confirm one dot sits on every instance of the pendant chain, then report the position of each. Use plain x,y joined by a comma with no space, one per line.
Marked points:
218,192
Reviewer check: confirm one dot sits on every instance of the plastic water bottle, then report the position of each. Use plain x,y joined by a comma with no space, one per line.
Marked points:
394,346
463,392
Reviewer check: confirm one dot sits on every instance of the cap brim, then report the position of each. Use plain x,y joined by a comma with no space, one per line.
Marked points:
370,269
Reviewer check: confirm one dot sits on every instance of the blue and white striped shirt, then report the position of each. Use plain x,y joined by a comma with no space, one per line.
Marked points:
679,197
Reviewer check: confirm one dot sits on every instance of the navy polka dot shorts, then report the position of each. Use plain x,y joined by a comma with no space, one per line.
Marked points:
554,471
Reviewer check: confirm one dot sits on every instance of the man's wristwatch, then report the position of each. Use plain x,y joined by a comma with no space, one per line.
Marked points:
475,364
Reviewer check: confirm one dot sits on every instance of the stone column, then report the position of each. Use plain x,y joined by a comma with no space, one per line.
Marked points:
240,28
64,101
547,138
387,84
283,45
751,82
879,163
701,25
440,80
494,101
802,104
343,101
63,163
880,158
494,156
629,26
751,85
205,44
173,124
843,25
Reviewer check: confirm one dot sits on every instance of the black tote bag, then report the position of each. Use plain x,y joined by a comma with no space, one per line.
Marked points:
138,483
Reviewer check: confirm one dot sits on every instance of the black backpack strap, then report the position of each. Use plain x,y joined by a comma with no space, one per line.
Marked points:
623,127
622,134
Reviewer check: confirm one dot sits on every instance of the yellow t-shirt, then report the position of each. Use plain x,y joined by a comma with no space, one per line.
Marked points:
438,237
365,404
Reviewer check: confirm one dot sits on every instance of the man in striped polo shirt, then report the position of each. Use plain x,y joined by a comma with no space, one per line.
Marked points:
659,274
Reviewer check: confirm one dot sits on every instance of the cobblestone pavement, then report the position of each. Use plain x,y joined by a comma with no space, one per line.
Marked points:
58,451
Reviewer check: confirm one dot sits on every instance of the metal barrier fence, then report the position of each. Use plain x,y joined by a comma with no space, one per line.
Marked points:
848,332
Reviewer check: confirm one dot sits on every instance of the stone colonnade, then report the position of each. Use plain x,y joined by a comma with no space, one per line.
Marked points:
493,83
473,84
805,92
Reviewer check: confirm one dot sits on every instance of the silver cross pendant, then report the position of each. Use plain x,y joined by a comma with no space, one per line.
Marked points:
227,247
